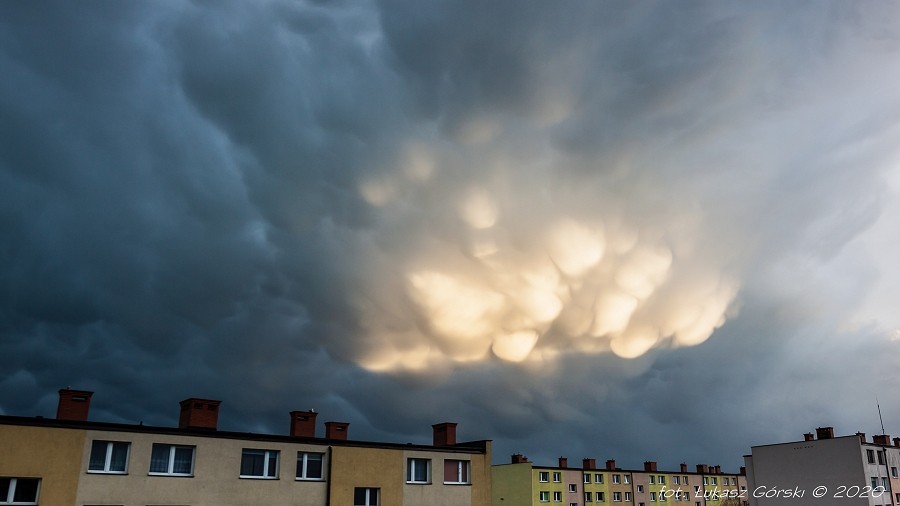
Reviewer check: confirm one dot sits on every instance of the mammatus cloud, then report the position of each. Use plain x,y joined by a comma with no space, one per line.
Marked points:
403,212
504,263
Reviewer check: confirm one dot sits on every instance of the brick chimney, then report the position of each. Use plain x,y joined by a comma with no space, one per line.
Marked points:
199,414
336,430
610,465
589,463
650,466
563,462
897,441
684,467
809,436
702,469
518,458
73,405
444,434
862,437
303,423
825,433
882,439
717,469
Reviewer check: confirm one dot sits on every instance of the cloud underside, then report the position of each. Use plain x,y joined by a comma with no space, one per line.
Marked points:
479,202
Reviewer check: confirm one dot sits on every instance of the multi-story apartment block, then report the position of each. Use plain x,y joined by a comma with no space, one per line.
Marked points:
825,469
72,461
521,483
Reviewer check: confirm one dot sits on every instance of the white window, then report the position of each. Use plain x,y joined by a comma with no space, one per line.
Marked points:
627,496
544,496
626,478
600,496
587,478
616,478
598,478
675,480
544,476
573,488
309,465
172,460
617,496
662,480
259,464
874,482
653,496
640,488
588,496
894,471
714,480
456,471
365,497
19,490
652,479
706,480
418,471
557,496
109,457
557,477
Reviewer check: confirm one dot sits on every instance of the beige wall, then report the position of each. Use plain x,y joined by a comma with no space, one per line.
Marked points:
367,467
52,454
215,482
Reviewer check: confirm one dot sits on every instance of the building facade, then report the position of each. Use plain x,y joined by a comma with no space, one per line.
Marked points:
72,461
825,469
522,483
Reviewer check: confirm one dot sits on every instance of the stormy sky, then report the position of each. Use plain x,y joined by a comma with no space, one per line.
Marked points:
632,230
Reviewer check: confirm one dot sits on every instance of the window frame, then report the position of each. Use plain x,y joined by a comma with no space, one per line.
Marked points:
460,464
171,460
557,496
412,466
303,466
368,498
617,496
10,498
544,496
107,457
587,477
543,476
267,455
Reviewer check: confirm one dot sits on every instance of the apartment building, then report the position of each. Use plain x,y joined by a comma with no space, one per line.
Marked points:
822,468
522,483
70,460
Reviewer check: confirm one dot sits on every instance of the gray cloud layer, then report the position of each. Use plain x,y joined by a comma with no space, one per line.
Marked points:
400,213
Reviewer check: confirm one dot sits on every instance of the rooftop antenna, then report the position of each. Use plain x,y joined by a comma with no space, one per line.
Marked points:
879,414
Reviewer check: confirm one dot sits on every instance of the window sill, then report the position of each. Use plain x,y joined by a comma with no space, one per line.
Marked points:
171,475
120,473
310,479
418,483
258,477
464,483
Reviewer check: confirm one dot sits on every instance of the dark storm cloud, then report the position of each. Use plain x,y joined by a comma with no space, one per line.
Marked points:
259,202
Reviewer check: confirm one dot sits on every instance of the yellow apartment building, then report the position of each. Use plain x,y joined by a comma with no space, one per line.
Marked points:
70,460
